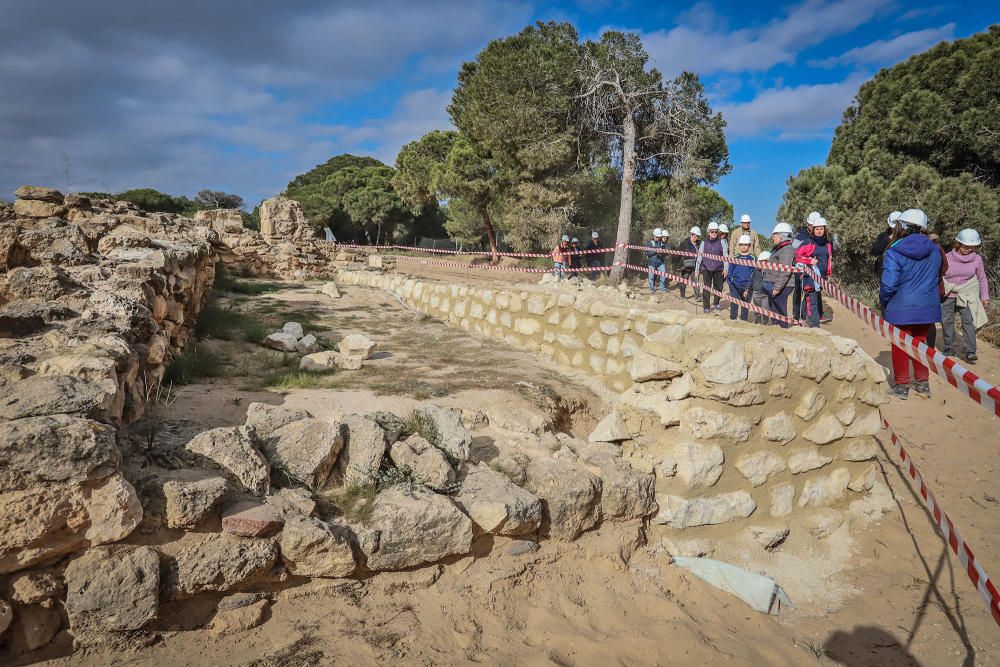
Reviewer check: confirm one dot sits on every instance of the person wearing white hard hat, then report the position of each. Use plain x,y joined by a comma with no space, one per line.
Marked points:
712,265
575,260
909,295
688,262
654,261
745,230
758,293
823,254
596,259
560,258
882,242
724,232
966,292
738,279
779,284
802,236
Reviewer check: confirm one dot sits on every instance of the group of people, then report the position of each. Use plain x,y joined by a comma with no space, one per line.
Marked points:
566,254
922,284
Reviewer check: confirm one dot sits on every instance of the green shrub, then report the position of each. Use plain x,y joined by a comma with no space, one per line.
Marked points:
194,363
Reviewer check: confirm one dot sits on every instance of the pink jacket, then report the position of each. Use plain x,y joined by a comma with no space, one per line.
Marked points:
961,268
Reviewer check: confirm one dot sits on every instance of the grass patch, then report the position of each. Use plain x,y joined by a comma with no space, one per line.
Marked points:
224,282
354,502
292,379
227,324
194,363
419,423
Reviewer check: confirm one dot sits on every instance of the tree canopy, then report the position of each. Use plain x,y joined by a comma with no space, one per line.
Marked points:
924,133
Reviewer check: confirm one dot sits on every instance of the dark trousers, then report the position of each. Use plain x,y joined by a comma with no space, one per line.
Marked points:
797,297
949,308
734,309
811,306
687,273
779,304
711,279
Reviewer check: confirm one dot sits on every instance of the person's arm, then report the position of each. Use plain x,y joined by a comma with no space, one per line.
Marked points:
786,276
984,288
878,245
725,256
890,280
697,262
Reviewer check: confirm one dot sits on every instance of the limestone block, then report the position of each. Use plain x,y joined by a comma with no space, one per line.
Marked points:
778,428
666,343
811,360
553,319
265,419
860,449
769,537
596,363
825,489
812,402
760,466
497,505
680,387
416,527
538,304
868,424
865,480
427,462
782,496
726,364
610,429
596,341
571,495
313,548
644,367
705,424
846,414
609,327
698,466
527,326
824,430
613,348
679,512
569,341
569,323
804,460
629,346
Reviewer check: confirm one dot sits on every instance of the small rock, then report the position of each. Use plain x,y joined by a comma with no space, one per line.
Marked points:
39,193
782,496
306,449
356,345
314,548
804,460
868,424
191,496
726,364
769,537
452,436
864,481
330,289
825,489
265,419
428,463
610,429
200,562
645,367
679,512
292,502
860,449
251,519
416,527
391,424
283,342
307,344
825,430
693,548
571,493
293,329
521,547
34,628
497,505
813,400
778,428
232,450
240,619
707,424
364,449
759,466
698,466
35,587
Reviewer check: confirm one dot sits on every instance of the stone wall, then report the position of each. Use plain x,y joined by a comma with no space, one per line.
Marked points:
738,421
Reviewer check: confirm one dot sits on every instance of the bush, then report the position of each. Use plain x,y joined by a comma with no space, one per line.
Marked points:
194,363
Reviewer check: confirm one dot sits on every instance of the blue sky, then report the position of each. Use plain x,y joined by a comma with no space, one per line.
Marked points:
243,95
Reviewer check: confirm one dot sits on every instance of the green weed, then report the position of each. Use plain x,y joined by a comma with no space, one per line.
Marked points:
194,363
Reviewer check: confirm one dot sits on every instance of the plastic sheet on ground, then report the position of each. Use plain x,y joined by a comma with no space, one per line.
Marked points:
758,591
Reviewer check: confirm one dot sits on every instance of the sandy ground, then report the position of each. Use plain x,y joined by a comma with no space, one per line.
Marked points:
891,594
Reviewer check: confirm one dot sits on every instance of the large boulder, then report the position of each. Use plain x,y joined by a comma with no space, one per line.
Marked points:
110,590
200,562
55,448
356,345
626,493
39,193
427,462
191,496
265,419
41,395
364,449
313,548
416,527
231,449
249,518
283,219
497,505
306,450
571,495
451,434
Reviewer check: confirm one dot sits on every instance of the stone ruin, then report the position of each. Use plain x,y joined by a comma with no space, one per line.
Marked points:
713,426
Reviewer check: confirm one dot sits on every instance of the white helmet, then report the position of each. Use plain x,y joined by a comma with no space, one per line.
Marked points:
893,217
565,237
913,218
969,237
763,256
664,232
574,240
594,235
820,222
783,228
744,218
744,240
723,229
696,230
813,217
657,232
713,226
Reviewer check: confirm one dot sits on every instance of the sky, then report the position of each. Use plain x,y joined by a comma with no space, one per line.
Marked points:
242,95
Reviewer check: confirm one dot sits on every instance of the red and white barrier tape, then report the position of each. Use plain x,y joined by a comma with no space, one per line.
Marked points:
981,580
476,253
494,267
722,258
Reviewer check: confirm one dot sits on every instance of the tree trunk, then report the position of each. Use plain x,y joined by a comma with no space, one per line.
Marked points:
625,212
491,236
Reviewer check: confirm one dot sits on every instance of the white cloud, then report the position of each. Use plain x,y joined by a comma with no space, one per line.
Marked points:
702,42
793,112
921,12
885,51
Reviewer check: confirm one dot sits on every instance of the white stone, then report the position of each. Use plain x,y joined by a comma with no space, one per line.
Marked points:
283,342
679,512
759,467
825,430
767,361
846,414
698,466
307,344
811,360
804,460
769,537
825,489
725,365
865,480
293,329
812,402
867,424
527,326
427,462
644,367
610,429
782,496
596,341
860,449
497,505
706,424
356,345
680,388
778,428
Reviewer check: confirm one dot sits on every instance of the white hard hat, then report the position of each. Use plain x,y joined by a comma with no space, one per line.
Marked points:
744,240
575,240
893,217
813,217
565,237
913,218
783,228
713,226
594,235
657,232
723,229
696,230
968,237
820,222
664,232
763,256
744,218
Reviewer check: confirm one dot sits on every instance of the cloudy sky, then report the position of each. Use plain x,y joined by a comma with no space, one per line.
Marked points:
242,95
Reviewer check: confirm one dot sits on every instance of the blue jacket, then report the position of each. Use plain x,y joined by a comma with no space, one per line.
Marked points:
654,258
909,291
739,275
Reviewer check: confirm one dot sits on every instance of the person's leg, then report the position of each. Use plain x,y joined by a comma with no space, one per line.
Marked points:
811,305
718,282
706,296
652,277
683,287
779,305
797,297
948,326
968,333
921,374
734,309
900,371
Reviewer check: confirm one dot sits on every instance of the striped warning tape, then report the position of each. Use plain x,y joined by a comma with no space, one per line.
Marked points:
987,591
722,258
475,253
494,267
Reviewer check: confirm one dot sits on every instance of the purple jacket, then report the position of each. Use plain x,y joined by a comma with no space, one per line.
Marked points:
710,247
961,269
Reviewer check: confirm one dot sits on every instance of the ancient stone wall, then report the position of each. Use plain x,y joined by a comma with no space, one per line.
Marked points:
739,421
